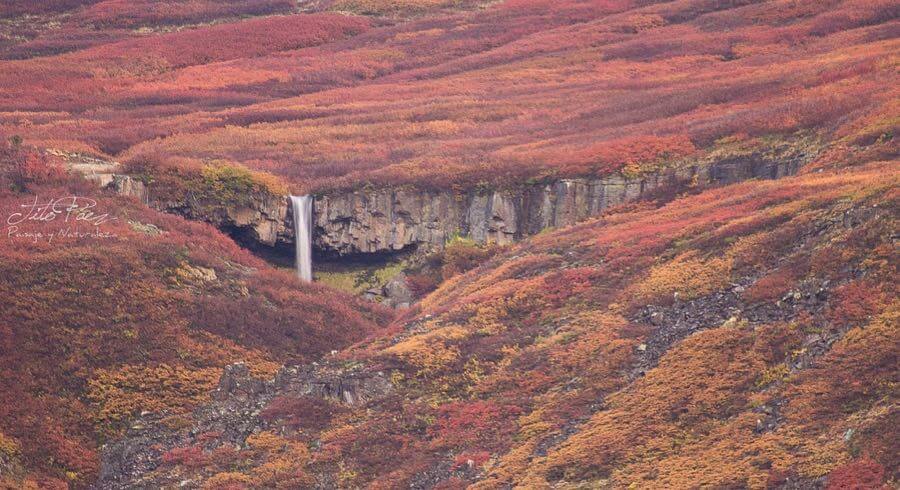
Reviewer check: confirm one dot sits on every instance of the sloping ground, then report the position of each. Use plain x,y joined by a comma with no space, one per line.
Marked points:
587,99
31,29
512,91
740,337
110,309
462,102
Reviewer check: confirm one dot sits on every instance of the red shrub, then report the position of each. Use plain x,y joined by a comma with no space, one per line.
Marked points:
421,284
245,39
22,167
12,8
307,413
771,287
856,302
190,456
608,156
137,13
470,424
862,474
472,459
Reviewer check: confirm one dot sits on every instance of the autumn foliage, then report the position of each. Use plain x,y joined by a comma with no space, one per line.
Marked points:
134,315
500,95
738,337
568,358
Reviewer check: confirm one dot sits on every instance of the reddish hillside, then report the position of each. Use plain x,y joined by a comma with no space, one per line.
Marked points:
741,337
33,29
519,90
138,312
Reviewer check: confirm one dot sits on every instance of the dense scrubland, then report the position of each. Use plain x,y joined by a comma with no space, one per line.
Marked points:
739,337
729,338
141,316
501,94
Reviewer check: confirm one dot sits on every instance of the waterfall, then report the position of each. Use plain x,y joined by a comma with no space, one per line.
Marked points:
302,207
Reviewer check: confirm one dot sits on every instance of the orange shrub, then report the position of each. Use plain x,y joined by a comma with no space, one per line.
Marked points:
686,275
771,287
119,394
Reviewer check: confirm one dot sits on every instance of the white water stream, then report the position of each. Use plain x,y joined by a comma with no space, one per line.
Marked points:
303,207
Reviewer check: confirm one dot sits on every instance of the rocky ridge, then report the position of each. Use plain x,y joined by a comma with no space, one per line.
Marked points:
389,220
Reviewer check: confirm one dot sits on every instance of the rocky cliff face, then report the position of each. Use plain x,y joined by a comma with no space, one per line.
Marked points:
390,220
394,219
260,219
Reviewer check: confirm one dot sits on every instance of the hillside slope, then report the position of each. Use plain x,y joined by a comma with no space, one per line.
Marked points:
110,309
501,94
736,337
741,337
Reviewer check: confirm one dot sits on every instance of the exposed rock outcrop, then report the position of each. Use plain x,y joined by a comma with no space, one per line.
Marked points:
233,414
393,219
128,186
396,292
387,220
105,173
261,218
